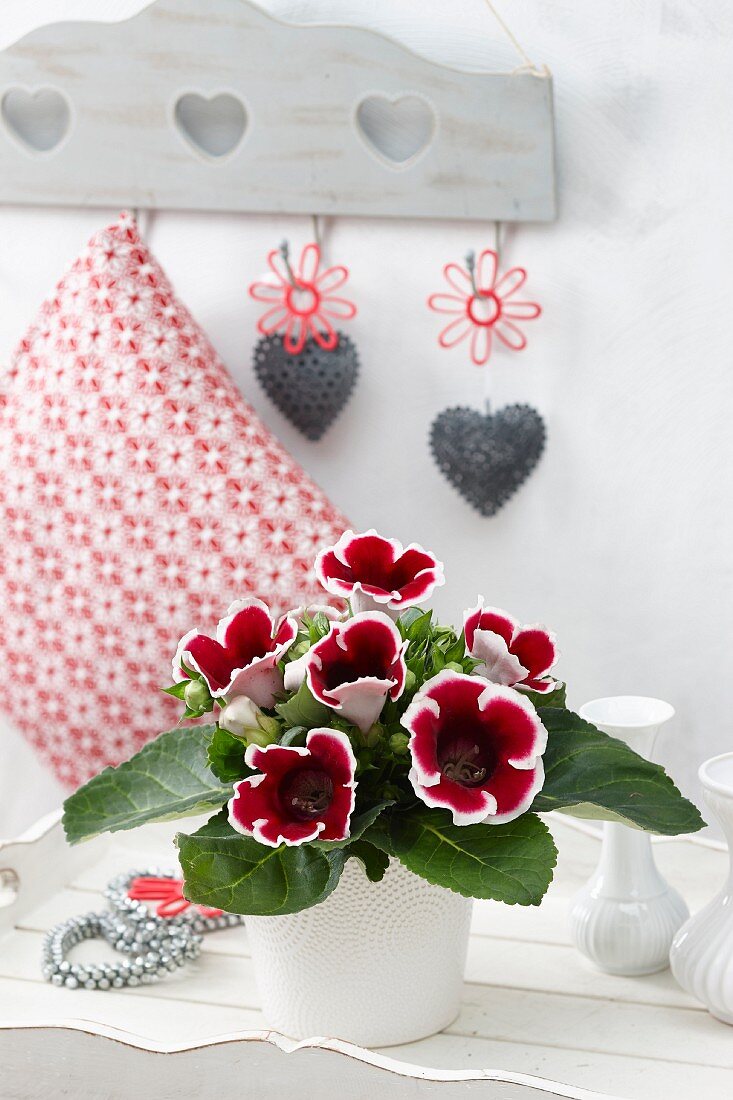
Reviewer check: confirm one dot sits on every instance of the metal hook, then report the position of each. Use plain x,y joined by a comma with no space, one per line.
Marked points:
284,251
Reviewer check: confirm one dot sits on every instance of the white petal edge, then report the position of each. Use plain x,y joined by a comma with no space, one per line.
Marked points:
473,818
524,805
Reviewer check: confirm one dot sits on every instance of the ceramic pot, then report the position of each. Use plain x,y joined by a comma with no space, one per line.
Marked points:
375,963
702,951
625,917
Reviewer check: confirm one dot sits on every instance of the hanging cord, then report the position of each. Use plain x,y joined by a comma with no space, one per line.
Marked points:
527,64
143,219
317,231
471,268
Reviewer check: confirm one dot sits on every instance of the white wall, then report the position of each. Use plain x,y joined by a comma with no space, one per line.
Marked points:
622,539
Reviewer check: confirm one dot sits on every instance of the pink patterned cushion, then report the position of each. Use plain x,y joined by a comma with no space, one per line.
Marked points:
139,496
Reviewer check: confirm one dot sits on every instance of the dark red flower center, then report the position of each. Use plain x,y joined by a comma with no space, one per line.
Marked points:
375,663
464,759
306,794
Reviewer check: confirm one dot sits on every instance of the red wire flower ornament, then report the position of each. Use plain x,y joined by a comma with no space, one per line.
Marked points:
169,892
301,299
483,306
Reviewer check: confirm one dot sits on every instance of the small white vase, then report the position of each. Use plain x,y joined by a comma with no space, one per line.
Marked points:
375,963
702,951
625,917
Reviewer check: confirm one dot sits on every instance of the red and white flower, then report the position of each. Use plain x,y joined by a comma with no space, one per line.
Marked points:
354,667
518,656
333,614
299,794
476,748
242,658
301,299
483,306
375,572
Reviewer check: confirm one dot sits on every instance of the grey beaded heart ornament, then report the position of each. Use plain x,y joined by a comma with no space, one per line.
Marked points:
486,456
309,388
152,946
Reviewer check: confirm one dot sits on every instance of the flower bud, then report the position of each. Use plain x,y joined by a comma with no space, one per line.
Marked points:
196,695
258,737
243,719
373,735
398,743
410,680
270,726
454,666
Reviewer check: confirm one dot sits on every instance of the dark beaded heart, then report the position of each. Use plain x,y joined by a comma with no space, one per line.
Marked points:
311,388
486,457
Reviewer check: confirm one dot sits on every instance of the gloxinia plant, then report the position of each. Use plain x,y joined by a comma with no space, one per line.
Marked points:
373,732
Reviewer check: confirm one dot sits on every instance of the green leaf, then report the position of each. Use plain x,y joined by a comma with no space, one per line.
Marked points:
512,862
294,736
421,629
407,618
458,650
378,835
168,778
556,698
415,627
585,766
439,661
177,690
374,861
360,822
226,756
321,626
225,870
303,710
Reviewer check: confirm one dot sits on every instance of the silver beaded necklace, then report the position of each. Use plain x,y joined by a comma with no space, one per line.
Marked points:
156,946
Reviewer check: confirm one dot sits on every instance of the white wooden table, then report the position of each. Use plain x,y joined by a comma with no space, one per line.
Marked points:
537,1019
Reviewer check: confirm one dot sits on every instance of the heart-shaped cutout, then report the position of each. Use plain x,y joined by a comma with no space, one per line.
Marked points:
397,129
213,126
487,457
39,119
310,389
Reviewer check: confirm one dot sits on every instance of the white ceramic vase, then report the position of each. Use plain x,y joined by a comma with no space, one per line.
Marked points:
625,917
375,963
702,951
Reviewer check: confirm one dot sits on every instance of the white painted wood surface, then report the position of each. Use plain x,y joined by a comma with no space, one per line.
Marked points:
537,1019
215,105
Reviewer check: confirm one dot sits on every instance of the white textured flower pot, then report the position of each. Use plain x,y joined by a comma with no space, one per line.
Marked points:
702,952
624,918
375,963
